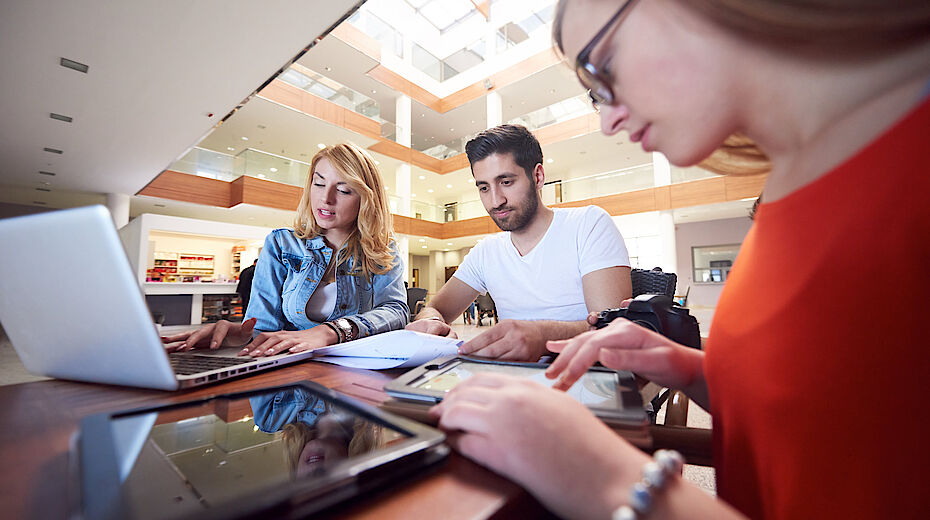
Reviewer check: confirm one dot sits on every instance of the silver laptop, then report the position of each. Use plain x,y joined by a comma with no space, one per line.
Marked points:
73,308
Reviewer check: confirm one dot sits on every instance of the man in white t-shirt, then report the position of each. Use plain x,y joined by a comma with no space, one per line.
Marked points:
548,269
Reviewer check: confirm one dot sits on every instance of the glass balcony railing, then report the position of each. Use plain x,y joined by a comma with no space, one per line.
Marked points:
330,90
555,113
607,183
390,38
448,149
251,162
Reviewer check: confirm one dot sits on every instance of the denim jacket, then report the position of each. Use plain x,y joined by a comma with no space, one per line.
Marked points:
274,411
289,270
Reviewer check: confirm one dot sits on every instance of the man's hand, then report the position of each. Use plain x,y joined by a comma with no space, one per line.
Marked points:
432,326
509,340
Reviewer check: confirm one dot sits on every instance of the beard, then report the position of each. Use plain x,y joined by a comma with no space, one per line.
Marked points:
520,215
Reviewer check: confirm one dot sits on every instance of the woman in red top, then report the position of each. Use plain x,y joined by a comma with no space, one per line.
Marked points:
817,356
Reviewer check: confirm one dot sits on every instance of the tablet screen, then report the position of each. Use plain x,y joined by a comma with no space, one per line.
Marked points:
179,461
594,389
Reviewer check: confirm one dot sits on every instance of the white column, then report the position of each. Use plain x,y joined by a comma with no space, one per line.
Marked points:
118,204
662,173
402,187
495,114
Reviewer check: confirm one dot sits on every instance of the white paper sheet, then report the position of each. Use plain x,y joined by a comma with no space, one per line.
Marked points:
395,349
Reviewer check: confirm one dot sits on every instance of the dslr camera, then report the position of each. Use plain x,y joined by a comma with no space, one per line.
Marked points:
658,313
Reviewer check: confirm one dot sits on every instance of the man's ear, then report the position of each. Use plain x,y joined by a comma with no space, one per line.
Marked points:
539,176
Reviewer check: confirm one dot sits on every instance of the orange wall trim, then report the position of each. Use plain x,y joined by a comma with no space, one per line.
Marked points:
249,190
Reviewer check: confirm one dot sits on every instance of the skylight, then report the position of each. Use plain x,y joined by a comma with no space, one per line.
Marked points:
443,14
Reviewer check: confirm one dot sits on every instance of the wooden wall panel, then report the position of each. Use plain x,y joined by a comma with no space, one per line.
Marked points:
322,109
558,132
392,149
188,188
283,93
663,197
358,40
402,84
695,193
414,226
740,187
427,162
465,95
361,124
469,227
527,67
262,192
620,203
454,163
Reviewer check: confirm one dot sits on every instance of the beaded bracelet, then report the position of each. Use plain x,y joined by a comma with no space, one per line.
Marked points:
665,464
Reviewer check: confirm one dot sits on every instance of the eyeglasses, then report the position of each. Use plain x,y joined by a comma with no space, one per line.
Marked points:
597,81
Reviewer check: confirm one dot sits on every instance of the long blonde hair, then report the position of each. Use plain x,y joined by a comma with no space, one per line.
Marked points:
370,243
366,437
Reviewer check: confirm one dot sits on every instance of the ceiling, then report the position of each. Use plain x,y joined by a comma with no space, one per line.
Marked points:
147,98
160,76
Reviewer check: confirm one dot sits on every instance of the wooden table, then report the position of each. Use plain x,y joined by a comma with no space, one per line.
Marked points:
37,421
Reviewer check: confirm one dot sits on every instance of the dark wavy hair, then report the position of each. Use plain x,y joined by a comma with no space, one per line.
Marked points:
513,139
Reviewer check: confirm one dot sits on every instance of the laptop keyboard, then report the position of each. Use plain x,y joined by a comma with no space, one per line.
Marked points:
188,364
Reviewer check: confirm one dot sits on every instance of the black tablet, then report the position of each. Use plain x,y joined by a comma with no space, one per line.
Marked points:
612,395
278,453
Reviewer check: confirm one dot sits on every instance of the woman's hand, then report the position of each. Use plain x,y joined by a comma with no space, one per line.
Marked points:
293,341
623,345
215,335
542,439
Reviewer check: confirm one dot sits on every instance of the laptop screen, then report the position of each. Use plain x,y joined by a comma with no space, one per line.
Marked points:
181,461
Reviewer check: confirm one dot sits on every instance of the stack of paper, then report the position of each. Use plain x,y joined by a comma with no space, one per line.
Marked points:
395,349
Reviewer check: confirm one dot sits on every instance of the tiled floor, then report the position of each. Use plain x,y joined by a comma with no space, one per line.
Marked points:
12,371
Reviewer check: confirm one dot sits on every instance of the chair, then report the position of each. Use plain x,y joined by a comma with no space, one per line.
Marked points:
486,308
655,281
416,299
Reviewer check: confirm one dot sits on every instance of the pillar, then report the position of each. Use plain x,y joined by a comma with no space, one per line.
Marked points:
118,204
662,174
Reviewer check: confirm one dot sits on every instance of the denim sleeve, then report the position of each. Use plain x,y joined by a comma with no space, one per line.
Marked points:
265,302
390,311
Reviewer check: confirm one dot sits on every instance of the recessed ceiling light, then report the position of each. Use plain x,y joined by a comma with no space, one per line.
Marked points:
471,180
549,160
425,247
413,194
552,91
448,185
373,91
272,170
59,117
422,115
422,177
446,250
448,243
452,129
261,175
327,69
244,138
47,173
73,65
52,150
377,163
429,190
320,146
472,121
422,240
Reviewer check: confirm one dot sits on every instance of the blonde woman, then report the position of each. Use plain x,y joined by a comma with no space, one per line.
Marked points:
338,268
815,379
